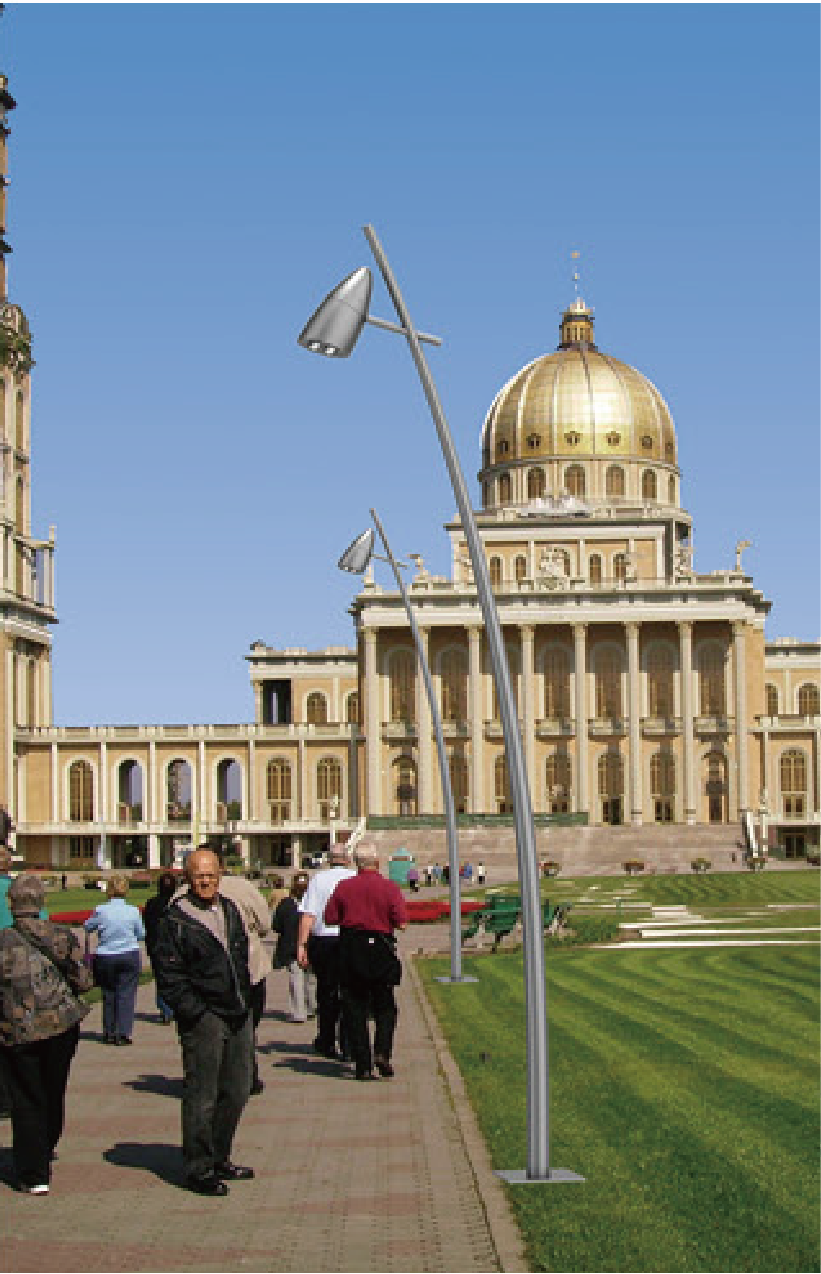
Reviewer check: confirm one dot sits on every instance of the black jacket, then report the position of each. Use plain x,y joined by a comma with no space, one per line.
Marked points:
195,973
286,923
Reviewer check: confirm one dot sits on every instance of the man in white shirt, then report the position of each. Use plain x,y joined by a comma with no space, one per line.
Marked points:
319,947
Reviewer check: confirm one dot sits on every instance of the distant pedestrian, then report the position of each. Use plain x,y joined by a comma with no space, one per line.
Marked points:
301,982
413,880
278,890
120,931
318,946
201,963
64,882
428,875
41,976
480,873
153,909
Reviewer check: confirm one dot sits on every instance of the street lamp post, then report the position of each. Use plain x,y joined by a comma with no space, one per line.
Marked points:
333,330
356,559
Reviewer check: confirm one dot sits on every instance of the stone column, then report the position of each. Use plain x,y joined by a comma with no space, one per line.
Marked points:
528,713
636,809
582,801
373,727
303,805
251,789
477,795
154,850
739,661
424,726
685,638
203,812
153,814
258,702
55,785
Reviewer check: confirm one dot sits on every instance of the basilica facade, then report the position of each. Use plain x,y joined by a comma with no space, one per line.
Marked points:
646,692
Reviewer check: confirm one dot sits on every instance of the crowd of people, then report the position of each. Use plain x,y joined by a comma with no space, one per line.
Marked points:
206,938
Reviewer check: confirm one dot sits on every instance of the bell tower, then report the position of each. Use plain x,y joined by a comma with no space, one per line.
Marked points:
26,563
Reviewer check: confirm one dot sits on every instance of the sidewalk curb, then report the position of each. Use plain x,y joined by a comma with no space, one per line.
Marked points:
504,1232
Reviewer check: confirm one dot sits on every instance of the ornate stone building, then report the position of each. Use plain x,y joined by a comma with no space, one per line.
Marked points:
646,693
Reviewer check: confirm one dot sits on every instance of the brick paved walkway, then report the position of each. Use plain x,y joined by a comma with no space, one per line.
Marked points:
367,1177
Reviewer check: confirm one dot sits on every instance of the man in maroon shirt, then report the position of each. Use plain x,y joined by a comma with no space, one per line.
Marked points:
368,908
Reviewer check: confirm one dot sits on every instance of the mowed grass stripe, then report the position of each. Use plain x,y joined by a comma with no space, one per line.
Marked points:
689,1165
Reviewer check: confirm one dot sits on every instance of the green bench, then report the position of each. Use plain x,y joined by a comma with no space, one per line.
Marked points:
501,914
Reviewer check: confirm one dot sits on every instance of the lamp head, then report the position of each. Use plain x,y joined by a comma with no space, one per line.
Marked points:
334,328
357,555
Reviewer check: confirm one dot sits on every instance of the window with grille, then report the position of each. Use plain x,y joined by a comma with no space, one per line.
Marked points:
501,784
558,781
611,774
458,766
614,480
81,792
178,792
521,568
278,782
660,678
620,566
504,489
402,681
405,792
316,708
20,440
352,708
649,485
772,700
502,447
557,684
328,786
671,491
716,786
608,685
595,568
454,670
712,699
495,568
535,484
81,849
663,785
808,700
574,480
794,783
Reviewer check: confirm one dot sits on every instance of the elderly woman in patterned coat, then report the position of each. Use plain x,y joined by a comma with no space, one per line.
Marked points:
41,975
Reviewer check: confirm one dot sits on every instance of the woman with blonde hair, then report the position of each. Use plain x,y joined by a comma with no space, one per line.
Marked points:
120,931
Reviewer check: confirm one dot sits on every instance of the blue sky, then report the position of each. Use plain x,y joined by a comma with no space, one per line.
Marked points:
188,181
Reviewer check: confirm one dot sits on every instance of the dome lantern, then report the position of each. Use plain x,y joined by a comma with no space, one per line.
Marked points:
577,327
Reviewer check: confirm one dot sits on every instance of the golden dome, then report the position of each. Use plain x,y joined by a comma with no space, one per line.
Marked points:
578,403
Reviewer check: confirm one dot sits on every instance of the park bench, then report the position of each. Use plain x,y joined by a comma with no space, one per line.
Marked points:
502,912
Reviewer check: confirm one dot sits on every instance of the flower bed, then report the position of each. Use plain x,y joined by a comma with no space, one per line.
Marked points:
427,910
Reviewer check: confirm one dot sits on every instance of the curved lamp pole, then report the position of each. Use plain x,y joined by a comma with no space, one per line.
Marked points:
355,559
333,330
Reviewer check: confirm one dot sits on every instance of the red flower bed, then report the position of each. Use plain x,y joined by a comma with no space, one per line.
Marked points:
424,910
70,917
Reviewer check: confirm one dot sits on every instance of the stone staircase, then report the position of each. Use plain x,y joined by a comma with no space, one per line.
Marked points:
581,851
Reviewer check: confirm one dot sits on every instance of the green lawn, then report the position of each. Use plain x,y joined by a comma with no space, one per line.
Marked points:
684,1087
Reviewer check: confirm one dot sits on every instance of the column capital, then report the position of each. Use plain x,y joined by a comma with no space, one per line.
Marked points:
632,627
580,627
685,626
527,630
739,627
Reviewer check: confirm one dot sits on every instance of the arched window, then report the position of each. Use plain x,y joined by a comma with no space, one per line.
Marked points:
328,786
81,792
535,484
229,790
716,787
808,705
501,785
557,684
663,785
316,708
794,783
178,792
558,783
278,786
649,486
712,700
405,792
574,481
614,480
454,671
504,489
608,685
402,680
660,678
495,568
671,490
595,568
772,700
352,708
129,792
458,766
611,787
20,430
620,566
521,568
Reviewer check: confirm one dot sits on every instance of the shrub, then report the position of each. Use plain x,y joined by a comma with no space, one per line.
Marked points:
551,868
701,864
633,865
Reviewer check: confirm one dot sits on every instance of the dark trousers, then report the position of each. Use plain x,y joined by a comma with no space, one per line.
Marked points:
362,998
118,976
257,1010
36,1075
217,1061
323,955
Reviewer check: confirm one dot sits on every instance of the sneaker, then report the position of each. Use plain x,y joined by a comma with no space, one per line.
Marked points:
123,1039
42,1188
210,1185
229,1171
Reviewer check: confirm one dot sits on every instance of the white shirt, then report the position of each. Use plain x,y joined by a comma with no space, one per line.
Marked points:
316,896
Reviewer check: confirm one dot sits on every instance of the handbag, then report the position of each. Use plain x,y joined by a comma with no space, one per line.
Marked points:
88,955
